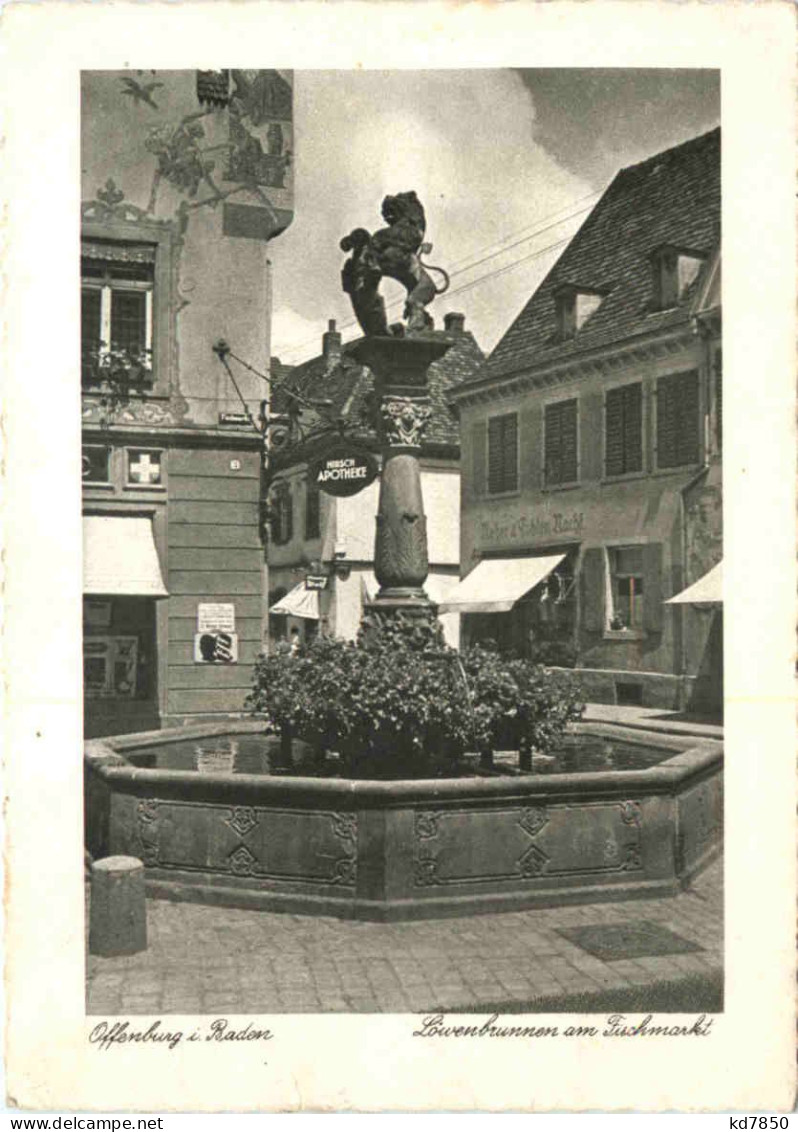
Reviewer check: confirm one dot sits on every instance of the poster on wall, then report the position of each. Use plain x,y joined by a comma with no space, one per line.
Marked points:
216,648
216,616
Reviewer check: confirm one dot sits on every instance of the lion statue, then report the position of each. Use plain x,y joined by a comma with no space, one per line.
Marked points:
394,252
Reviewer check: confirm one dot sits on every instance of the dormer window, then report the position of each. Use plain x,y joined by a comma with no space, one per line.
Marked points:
675,269
575,305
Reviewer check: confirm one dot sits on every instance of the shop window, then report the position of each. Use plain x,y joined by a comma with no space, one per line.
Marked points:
560,443
109,667
503,454
626,588
677,420
312,511
118,282
118,648
96,463
623,430
144,467
282,515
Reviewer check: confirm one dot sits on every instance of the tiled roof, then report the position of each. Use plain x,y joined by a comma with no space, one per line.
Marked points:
347,385
673,199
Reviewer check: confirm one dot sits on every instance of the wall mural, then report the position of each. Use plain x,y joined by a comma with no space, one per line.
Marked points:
257,152
256,155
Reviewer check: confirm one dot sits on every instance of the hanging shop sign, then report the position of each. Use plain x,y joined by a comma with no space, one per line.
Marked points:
315,581
344,469
216,615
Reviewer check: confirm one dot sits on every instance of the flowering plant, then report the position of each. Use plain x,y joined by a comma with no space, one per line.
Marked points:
391,710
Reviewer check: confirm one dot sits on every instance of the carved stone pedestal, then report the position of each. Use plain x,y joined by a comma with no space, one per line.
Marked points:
403,409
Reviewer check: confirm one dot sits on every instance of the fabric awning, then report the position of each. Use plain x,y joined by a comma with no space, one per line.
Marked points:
298,602
496,584
708,590
119,557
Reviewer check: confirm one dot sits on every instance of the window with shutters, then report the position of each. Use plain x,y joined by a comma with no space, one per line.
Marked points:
282,515
117,286
312,511
626,588
623,430
503,454
677,420
561,443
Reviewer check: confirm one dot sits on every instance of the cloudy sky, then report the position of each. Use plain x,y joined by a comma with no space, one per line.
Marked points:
507,164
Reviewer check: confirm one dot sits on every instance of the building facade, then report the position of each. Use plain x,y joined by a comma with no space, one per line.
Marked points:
186,178
591,448
321,540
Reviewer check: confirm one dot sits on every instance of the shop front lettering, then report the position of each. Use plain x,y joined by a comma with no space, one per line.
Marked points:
523,527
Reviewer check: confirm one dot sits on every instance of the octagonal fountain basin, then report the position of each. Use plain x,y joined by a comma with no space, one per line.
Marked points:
213,821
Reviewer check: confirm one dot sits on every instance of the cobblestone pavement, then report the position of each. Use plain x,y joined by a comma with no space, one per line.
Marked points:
206,960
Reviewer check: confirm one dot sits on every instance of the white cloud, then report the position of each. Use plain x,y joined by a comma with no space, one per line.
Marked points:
289,326
463,140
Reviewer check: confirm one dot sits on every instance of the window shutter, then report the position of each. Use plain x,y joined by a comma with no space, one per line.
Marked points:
666,424
652,583
510,449
503,453
591,409
551,444
633,428
570,455
593,590
530,448
687,432
561,456
677,420
495,456
613,433
478,439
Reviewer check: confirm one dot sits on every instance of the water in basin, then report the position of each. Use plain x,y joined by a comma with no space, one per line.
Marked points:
260,754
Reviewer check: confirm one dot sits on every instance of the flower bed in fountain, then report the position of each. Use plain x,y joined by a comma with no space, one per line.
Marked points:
392,709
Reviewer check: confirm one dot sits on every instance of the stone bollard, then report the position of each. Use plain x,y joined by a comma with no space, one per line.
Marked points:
118,917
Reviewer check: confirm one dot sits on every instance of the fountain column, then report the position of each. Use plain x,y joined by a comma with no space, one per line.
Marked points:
403,407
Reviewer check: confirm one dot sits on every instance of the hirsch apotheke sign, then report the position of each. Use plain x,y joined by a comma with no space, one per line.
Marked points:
344,469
